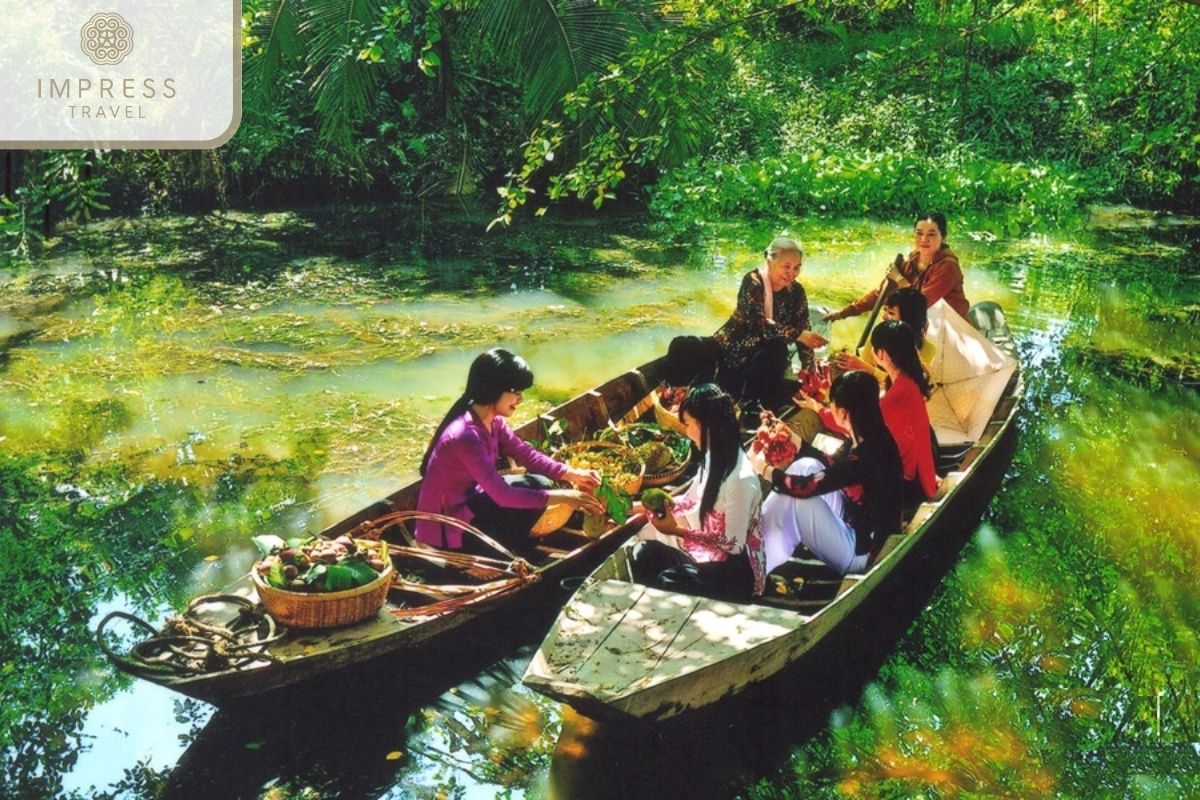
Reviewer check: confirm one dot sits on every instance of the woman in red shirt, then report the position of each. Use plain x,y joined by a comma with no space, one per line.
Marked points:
903,405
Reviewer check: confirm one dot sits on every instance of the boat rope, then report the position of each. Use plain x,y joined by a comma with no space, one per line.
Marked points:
189,644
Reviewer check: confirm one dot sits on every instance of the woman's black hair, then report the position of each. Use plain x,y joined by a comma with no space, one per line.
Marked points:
857,392
937,218
913,308
492,374
720,436
899,341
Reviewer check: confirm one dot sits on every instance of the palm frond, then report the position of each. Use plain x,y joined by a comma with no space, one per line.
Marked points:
279,47
342,82
322,38
559,43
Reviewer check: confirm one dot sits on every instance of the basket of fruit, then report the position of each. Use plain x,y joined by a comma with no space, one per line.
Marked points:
615,462
666,453
321,583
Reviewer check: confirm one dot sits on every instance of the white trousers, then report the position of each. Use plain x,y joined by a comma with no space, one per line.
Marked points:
816,522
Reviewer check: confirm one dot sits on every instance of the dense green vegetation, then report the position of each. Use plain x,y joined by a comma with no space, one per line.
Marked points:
1015,111
1059,660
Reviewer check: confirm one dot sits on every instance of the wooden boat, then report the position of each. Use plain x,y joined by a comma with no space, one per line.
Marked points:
621,650
404,626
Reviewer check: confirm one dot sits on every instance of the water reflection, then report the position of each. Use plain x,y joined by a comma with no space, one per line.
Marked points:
1058,655
393,727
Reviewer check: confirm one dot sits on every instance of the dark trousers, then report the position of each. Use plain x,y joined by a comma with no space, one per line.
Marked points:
658,564
913,494
761,380
508,526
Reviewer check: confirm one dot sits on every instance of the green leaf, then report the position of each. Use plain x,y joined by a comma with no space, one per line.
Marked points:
315,573
339,577
269,543
361,572
276,577
617,501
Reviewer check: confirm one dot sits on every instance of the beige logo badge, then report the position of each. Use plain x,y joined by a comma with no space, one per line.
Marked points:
106,39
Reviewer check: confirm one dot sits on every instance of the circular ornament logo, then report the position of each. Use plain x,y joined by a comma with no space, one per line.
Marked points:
106,39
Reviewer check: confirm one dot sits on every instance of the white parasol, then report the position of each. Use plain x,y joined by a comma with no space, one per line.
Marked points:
969,374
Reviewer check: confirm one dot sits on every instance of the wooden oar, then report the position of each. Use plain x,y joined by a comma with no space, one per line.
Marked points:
885,289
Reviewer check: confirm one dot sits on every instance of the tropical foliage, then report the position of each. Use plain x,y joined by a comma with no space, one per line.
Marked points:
1020,110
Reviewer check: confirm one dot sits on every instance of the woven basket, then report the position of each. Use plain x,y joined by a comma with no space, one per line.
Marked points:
553,518
628,434
326,609
663,478
633,486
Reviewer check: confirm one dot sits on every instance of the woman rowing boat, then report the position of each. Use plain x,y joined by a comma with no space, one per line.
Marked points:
932,267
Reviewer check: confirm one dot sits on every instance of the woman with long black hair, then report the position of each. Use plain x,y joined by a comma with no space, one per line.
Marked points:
894,344
809,504
461,479
709,541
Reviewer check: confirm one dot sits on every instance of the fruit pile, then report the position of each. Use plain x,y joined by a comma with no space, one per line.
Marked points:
660,449
318,565
815,381
617,463
774,438
669,397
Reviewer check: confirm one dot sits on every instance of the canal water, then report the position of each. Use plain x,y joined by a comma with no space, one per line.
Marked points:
167,393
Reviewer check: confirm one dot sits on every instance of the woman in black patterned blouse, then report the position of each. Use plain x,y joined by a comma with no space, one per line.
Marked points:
771,314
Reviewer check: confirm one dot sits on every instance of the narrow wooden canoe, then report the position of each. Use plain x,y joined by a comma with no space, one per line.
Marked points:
568,552
621,650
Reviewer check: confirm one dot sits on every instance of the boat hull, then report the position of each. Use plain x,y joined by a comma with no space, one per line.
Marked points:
800,637
306,655
622,651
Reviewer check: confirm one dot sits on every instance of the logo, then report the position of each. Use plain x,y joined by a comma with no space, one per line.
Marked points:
106,39
161,74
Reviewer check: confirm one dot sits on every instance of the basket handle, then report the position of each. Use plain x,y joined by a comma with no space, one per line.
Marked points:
404,516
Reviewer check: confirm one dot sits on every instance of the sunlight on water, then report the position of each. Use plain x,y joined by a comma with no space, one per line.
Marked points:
8,326
1073,616
1130,464
186,407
